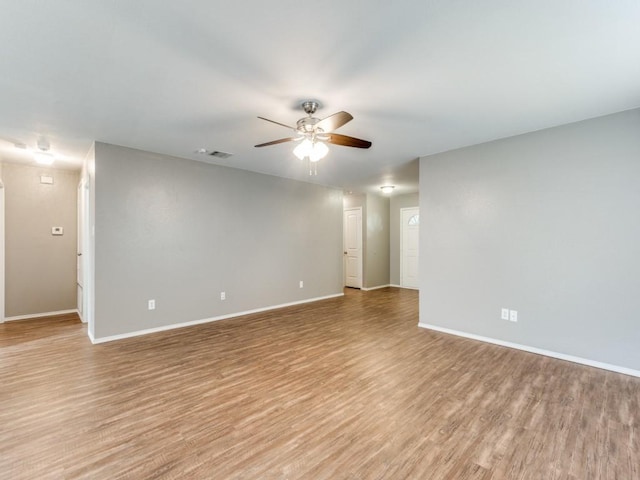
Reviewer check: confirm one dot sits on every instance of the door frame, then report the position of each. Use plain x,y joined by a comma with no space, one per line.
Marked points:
402,210
344,248
2,264
81,242
87,257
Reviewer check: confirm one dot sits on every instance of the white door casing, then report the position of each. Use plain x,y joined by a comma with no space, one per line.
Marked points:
2,265
352,231
409,251
80,247
86,270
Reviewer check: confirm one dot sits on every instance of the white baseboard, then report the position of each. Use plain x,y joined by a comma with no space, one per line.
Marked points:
539,351
205,320
39,315
400,286
374,288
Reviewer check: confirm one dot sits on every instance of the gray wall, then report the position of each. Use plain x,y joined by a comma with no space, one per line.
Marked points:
353,201
376,257
395,204
40,269
180,232
545,223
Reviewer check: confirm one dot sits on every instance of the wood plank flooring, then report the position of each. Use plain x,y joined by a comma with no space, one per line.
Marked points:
346,388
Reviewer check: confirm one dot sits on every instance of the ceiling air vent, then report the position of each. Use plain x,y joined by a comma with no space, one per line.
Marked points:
218,154
213,153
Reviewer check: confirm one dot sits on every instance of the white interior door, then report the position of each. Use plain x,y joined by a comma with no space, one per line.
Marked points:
352,232
409,251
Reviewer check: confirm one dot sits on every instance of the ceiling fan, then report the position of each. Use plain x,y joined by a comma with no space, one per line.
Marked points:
314,132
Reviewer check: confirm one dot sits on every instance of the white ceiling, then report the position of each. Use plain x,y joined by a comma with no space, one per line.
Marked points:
418,76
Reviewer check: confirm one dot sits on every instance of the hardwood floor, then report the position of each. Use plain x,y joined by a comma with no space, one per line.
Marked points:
347,388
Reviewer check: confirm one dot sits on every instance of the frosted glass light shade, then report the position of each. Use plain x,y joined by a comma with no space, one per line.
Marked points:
43,158
320,151
314,151
304,149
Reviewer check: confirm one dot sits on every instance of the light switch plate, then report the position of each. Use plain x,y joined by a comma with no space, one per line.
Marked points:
57,231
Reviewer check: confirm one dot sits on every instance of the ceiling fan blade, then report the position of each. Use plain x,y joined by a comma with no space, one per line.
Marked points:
333,122
282,140
277,123
347,141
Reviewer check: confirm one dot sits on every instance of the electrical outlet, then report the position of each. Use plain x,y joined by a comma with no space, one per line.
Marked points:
223,296
301,284
504,314
152,305
513,315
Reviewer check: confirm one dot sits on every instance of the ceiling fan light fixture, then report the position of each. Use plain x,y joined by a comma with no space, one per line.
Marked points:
304,149
319,151
313,150
387,188
314,134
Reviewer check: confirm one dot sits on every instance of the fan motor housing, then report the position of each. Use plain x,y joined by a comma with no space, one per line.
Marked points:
306,124
310,107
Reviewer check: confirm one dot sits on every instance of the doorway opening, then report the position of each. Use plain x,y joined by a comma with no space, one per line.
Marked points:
352,242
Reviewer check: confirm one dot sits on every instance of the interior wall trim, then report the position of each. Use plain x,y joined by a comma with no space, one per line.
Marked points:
173,326
39,315
392,285
539,351
376,288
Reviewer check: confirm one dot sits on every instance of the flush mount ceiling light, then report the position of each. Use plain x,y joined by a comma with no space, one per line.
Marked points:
315,133
42,155
387,188
43,158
